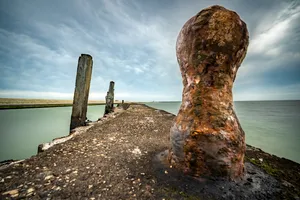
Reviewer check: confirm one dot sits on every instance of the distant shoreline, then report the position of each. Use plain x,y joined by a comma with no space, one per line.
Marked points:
14,103
24,106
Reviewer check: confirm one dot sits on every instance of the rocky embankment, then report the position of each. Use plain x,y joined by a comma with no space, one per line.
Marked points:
122,157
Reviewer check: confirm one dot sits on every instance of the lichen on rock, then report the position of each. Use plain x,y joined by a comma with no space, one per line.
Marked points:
206,138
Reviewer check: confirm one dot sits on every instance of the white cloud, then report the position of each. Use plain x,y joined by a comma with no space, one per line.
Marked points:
34,94
271,47
268,39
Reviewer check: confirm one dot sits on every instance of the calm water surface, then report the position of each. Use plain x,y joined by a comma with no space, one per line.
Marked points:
273,126
270,125
22,130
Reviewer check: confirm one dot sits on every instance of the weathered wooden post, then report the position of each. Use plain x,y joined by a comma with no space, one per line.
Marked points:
81,93
109,107
206,137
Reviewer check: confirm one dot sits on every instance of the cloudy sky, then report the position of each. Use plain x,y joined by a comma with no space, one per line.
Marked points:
133,43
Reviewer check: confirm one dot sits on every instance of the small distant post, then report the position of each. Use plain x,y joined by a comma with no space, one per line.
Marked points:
81,93
110,98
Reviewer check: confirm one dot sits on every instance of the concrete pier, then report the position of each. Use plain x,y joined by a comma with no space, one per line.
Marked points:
109,107
81,93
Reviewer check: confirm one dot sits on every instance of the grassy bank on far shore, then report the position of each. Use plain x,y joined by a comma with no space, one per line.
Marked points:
11,103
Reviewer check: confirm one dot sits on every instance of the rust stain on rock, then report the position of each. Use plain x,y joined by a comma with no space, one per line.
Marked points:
206,137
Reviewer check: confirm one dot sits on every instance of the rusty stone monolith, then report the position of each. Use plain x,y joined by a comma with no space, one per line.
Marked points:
81,93
206,137
109,107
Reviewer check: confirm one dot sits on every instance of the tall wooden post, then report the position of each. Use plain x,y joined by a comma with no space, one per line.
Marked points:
110,98
81,93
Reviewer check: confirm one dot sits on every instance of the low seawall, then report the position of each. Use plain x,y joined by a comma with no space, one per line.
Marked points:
22,106
119,157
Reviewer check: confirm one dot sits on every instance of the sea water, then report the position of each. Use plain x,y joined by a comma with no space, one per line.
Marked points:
273,126
22,130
